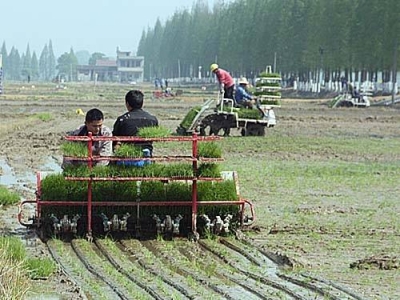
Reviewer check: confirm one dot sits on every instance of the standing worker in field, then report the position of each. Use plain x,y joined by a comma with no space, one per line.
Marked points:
226,82
129,123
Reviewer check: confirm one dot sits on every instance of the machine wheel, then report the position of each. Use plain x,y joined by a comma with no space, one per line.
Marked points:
46,230
215,123
253,130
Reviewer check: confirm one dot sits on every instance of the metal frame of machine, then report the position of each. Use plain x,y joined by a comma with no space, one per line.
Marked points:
68,225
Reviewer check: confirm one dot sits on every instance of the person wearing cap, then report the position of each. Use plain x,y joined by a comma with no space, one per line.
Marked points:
242,97
226,82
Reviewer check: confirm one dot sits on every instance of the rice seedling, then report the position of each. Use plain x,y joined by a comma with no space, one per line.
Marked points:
154,132
69,148
129,150
209,170
188,119
209,150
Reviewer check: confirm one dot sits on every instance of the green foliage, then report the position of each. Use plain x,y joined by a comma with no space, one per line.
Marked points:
7,197
129,150
209,150
209,170
94,57
272,75
290,31
67,63
13,281
154,132
38,268
188,119
151,170
13,248
261,83
45,117
267,93
217,191
270,102
77,149
245,113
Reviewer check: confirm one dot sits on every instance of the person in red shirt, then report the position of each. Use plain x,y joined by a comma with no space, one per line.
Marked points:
226,82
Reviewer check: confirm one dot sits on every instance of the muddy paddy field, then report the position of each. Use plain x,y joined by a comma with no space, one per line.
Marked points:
324,182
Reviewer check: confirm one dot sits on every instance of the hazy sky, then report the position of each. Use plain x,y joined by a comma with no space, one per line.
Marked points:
93,25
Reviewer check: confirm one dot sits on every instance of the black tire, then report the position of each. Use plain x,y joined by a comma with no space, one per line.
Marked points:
254,130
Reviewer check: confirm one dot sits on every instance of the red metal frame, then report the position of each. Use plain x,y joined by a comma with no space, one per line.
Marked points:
90,159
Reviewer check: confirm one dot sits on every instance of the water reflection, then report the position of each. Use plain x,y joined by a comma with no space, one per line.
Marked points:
9,178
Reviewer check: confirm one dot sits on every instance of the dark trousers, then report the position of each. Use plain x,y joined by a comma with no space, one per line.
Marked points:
229,92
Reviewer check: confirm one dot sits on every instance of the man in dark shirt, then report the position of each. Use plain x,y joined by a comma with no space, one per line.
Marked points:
129,123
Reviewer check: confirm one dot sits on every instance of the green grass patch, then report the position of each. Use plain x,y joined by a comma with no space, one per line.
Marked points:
44,116
38,268
8,197
13,248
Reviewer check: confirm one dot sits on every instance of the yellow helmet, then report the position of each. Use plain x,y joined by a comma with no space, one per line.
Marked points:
213,67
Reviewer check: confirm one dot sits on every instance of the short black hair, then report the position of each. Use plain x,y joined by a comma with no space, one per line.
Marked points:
134,98
94,115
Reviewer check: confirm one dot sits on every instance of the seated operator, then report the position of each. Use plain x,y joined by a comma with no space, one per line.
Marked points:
242,97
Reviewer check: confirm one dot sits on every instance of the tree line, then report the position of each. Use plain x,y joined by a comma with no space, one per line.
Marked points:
27,66
297,37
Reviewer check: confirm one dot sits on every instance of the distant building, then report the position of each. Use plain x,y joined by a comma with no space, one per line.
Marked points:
126,68
129,67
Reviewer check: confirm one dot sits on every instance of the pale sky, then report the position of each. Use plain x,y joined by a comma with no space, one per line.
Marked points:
93,25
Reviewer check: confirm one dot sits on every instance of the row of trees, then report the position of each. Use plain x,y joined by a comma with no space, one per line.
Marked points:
27,66
299,37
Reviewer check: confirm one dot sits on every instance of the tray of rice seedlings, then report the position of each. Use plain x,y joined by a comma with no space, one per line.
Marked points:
209,150
244,113
129,151
218,191
209,170
268,74
54,187
154,132
192,118
268,88
188,119
77,149
164,193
